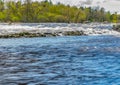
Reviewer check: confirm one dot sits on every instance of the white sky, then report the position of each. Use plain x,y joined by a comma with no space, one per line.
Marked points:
109,5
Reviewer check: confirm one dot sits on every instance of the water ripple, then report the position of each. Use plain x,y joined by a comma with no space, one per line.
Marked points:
85,60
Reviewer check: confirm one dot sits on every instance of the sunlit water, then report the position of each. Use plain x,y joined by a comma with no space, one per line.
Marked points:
74,60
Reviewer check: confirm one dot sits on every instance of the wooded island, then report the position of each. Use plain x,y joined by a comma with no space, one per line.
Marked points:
46,11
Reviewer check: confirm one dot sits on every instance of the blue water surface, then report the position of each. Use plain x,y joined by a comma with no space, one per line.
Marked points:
73,60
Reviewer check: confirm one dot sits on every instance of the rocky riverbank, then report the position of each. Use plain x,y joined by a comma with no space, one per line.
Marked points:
18,30
29,34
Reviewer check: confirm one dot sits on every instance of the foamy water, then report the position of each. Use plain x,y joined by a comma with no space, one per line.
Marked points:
89,29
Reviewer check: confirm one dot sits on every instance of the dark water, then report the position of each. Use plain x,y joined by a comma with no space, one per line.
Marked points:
75,60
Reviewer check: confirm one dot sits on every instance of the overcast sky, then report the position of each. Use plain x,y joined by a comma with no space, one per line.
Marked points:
109,5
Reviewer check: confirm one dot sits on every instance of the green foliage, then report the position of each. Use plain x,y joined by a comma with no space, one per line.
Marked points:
60,18
2,16
1,5
46,11
114,18
42,18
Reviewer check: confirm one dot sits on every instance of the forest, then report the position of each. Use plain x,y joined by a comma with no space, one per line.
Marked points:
46,11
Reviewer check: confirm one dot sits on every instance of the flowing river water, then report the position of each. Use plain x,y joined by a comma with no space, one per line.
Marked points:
65,60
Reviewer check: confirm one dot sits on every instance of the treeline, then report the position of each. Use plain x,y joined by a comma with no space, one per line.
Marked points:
46,11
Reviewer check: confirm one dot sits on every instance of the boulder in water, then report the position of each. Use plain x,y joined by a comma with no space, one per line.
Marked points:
116,27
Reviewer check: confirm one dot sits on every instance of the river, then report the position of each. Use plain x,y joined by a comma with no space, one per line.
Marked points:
63,60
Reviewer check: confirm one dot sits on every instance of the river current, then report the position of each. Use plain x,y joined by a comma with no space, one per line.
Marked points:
73,60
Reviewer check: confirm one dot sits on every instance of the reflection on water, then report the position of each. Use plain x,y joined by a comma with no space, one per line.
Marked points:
75,60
